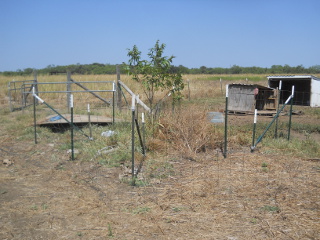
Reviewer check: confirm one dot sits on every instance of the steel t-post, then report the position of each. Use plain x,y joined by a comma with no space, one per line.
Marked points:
71,127
226,123
254,129
290,116
34,116
278,103
132,138
113,102
89,120
143,132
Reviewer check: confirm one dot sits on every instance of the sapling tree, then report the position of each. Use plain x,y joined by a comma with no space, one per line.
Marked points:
154,74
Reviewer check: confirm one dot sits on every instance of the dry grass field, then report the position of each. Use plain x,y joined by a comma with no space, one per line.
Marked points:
186,188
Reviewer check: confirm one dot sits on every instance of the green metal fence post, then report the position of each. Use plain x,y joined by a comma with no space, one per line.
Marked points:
132,138
226,123
34,117
254,129
68,90
143,131
71,127
113,101
290,115
89,120
278,102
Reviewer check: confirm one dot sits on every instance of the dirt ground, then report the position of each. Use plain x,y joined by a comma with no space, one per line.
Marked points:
247,195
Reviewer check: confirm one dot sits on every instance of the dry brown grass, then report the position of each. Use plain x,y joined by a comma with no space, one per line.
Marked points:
189,131
186,189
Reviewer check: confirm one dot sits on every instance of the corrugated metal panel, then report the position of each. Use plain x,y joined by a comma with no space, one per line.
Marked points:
293,77
307,91
315,94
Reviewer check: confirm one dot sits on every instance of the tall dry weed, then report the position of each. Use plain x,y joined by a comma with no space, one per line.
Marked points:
189,132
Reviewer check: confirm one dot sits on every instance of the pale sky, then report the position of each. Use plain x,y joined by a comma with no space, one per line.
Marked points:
211,33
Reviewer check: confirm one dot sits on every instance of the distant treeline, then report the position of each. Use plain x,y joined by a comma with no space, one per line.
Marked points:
99,68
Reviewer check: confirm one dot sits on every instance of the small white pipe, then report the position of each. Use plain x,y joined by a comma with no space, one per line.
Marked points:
88,107
255,116
133,102
227,90
39,99
142,117
292,91
280,84
33,93
71,100
288,99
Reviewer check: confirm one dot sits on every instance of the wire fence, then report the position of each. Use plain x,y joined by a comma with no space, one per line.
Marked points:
91,116
261,195
88,94
19,94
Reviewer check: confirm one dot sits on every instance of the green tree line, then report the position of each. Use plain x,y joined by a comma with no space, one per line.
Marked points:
235,69
99,68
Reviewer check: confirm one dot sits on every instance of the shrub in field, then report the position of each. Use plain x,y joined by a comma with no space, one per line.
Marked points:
189,132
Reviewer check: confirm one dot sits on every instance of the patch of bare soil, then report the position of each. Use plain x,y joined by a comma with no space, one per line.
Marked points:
247,195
